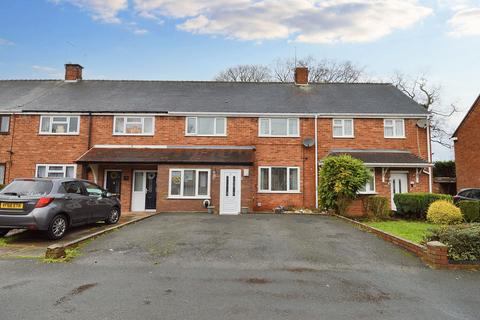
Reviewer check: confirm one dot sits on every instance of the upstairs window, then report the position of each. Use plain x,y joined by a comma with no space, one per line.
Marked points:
278,127
343,128
2,173
55,171
59,124
140,126
279,179
394,128
206,126
369,187
4,124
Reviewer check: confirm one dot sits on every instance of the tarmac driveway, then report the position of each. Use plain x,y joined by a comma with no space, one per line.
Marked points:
187,266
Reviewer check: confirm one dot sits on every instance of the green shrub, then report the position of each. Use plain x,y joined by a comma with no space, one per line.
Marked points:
341,177
376,207
444,212
415,205
470,210
444,169
463,241
2,186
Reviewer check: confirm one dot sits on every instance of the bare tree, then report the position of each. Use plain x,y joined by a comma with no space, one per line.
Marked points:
245,73
323,71
428,96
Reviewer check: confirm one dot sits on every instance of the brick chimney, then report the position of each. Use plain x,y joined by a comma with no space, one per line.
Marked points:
301,76
73,72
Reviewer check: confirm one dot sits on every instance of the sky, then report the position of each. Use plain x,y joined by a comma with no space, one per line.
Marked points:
196,39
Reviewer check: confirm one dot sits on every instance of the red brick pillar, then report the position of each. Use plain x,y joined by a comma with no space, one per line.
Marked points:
437,254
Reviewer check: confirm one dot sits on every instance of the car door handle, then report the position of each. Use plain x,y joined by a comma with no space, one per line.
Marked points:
68,198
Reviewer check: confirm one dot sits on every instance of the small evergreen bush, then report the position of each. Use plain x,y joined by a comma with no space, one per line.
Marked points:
463,241
470,210
376,207
416,204
444,212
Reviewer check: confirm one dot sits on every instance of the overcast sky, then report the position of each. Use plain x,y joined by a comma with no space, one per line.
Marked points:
195,39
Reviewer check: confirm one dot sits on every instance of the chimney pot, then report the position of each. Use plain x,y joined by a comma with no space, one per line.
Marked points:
301,75
73,72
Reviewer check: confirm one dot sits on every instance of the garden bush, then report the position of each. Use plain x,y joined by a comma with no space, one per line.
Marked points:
463,241
470,210
341,177
444,212
376,207
415,205
1,186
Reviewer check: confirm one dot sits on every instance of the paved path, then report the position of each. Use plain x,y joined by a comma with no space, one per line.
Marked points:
188,266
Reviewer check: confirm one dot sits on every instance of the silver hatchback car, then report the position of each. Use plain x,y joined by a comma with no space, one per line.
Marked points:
54,205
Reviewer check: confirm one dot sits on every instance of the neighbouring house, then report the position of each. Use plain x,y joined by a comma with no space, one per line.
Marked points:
467,149
170,145
444,179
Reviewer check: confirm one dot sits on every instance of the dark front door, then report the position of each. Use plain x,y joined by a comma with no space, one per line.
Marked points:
151,191
114,182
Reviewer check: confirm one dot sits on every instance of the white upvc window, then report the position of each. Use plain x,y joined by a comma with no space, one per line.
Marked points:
2,173
279,179
278,127
56,171
4,123
189,183
59,124
206,126
133,125
369,187
343,128
394,128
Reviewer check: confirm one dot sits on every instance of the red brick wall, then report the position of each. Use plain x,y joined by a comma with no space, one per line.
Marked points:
30,148
467,150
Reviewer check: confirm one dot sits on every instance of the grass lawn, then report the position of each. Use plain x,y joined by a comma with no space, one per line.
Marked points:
410,230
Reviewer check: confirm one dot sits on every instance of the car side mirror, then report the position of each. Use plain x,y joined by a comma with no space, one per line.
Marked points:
107,194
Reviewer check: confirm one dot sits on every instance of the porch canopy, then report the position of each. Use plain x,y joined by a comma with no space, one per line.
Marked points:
384,158
174,155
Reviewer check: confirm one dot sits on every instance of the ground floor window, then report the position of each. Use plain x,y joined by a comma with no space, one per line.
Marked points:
55,171
370,185
189,183
2,173
279,179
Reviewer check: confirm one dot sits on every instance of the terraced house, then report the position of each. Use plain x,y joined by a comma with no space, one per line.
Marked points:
171,145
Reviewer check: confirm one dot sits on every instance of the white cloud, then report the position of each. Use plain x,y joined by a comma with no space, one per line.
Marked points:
315,21
103,10
47,71
5,42
465,22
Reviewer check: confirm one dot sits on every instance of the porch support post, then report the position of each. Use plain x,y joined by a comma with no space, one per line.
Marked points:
94,168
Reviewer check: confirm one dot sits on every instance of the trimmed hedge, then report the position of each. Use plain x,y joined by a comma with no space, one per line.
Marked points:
470,210
463,241
376,207
415,204
444,212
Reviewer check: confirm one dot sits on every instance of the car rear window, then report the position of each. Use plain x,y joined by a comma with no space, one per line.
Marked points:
28,188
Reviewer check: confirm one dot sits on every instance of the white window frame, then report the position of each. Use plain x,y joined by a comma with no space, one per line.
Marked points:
343,128
395,135
367,191
51,116
64,169
2,178
269,135
269,190
214,127
125,117
8,123
196,196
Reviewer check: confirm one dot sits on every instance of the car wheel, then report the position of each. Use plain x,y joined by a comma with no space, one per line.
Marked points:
113,216
3,232
57,227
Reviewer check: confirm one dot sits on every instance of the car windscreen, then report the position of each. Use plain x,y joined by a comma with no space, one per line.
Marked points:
28,188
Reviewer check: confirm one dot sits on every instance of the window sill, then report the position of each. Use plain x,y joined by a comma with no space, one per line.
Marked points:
367,193
279,192
134,134
344,137
394,137
261,136
206,135
58,134
189,198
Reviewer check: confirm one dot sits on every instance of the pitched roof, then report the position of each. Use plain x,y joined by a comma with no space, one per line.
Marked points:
204,96
474,105
239,156
390,158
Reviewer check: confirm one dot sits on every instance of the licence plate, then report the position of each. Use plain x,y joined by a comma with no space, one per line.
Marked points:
11,205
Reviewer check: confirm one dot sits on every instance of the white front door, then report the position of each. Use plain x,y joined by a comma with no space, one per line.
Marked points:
230,191
144,190
398,184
